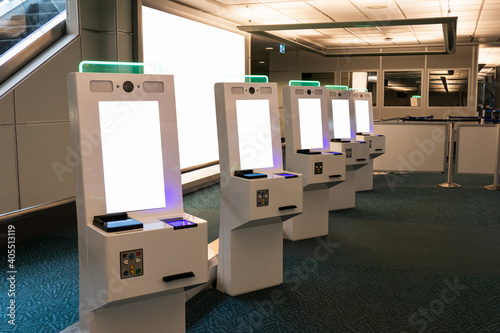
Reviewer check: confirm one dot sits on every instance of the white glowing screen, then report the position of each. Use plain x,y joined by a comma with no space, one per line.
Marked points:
311,125
198,55
131,155
362,116
254,133
341,119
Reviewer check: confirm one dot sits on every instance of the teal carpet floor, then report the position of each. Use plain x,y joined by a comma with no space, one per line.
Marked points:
411,257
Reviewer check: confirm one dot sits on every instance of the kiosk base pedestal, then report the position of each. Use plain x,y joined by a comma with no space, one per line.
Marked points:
313,222
449,185
250,258
343,195
364,177
155,314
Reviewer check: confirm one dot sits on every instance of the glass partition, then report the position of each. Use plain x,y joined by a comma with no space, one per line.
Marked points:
400,86
448,87
21,18
361,80
27,27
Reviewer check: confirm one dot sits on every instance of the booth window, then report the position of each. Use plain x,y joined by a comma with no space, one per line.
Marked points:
361,81
401,86
27,27
448,87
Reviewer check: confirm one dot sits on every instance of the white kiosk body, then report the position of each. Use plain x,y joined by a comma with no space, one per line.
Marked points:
342,122
364,132
256,194
307,152
137,248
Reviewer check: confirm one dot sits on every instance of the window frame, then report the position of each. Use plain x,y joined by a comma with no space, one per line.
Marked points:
422,87
442,69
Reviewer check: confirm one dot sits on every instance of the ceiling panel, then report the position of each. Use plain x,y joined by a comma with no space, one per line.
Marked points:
298,10
373,9
329,6
483,13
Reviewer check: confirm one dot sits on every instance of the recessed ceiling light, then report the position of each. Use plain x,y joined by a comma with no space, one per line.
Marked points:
377,7
388,39
262,62
269,48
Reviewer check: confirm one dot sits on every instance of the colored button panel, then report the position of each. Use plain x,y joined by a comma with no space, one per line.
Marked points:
131,263
318,168
262,198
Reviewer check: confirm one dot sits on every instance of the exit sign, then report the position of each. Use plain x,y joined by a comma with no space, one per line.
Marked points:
282,48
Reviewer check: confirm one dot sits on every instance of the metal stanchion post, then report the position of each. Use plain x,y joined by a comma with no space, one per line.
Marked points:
450,183
495,186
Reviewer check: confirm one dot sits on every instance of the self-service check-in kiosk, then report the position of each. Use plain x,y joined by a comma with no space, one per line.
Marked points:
137,248
257,195
343,138
308,152
364,132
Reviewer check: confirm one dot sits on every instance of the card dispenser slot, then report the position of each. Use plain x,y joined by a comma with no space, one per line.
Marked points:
361,159
308,152
116,222
249,174
170,278
335,176
378,149
287,207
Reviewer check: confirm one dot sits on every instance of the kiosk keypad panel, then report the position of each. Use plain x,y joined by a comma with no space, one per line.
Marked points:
318,168
131,263
262,198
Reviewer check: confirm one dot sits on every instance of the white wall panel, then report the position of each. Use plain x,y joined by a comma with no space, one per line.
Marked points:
43,95
412,147
46,163
9,194
476,150
7,108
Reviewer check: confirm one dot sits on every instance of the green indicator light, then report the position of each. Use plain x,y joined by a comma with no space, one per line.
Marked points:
359,89
330,87
304,83
246,78
256,78
116,67
416,96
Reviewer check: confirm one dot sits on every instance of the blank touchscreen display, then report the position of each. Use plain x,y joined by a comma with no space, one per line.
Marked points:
362,116
341,119
131,155
254,133
311,126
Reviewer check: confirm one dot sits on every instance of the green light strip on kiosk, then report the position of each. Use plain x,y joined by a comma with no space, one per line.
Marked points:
359,89
304,83
330,87
115,67
256,78
416,96
246,78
